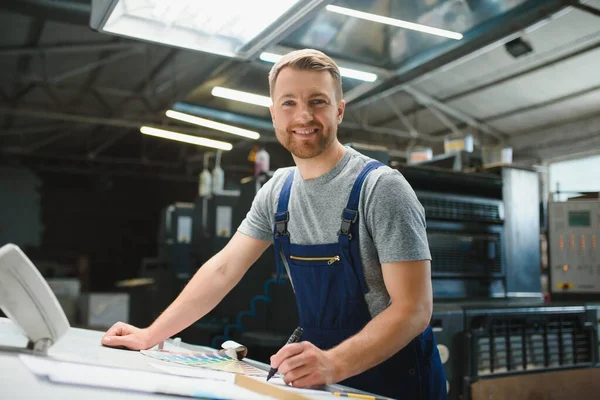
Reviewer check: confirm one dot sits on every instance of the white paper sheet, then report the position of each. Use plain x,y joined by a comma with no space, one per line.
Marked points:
312,393
142,381
230,378
192,372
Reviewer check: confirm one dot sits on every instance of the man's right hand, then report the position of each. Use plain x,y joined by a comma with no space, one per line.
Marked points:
125,335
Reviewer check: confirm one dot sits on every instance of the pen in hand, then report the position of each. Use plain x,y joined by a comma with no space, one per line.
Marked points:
293,339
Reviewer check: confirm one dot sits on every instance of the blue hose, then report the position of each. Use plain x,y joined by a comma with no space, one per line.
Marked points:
251,312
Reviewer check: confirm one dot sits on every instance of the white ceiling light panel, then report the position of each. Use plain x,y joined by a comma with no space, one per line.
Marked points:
181,137
224,27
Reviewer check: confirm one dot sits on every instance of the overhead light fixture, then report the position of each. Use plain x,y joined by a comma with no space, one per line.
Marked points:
270,57
230,28
346,72
238,95
180,137
518,47
207,123
394,22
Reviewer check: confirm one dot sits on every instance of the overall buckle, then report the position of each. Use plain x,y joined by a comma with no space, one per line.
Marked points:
281,220
348,218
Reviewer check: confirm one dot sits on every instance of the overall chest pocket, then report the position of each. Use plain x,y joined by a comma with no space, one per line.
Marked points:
306,261
327,291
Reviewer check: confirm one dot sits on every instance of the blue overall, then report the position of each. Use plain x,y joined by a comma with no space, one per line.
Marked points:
329,285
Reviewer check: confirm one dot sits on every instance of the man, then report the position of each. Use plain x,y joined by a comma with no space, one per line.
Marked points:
362,281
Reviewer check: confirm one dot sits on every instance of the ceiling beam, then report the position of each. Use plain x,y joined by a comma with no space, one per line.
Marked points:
82,69
123,123
429,101
143,87
137,167
299,14
586,8
115,161
106,91
106,144
536,106
48,140
54,96
381,130
574,130
403,118
563,150
27,130
425,99
444,120
79,48
260,124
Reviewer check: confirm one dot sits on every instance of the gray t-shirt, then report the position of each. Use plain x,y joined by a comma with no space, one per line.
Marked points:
391,218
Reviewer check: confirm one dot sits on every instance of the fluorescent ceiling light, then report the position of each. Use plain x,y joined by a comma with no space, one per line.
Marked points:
270,57
226,27
180,137
356,74
347,72
394,22
245,97
212,124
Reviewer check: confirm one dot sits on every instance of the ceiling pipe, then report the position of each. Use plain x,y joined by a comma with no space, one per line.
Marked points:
224,116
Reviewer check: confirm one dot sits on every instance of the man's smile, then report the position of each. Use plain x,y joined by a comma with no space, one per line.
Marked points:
305,131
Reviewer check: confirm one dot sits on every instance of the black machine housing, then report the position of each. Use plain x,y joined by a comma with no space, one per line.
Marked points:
483,231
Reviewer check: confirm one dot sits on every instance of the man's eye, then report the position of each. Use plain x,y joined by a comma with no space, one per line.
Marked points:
318,101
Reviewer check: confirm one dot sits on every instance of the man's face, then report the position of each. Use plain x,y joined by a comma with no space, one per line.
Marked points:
305,111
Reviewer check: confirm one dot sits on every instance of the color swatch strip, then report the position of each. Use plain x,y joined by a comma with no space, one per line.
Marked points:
217,360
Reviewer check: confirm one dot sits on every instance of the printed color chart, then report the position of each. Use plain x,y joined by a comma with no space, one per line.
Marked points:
218,360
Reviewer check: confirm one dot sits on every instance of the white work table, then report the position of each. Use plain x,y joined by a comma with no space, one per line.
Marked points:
82,346
79,345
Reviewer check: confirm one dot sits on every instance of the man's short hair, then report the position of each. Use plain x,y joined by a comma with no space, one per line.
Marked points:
307,60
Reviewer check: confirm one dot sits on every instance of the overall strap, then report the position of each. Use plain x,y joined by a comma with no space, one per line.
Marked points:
281,236
348,234
350,213
282,216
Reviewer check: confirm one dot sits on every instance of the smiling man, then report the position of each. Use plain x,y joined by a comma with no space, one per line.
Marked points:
349,232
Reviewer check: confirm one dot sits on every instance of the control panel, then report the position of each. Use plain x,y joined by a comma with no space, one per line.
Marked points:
574,237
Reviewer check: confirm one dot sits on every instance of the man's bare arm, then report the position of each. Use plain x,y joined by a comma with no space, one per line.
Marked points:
409,286
204,291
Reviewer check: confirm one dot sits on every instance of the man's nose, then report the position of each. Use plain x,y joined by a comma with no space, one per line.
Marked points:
304,114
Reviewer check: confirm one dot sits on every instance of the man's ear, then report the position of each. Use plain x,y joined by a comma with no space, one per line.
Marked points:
340,111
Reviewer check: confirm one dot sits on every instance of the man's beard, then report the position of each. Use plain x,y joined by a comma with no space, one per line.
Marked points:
305,149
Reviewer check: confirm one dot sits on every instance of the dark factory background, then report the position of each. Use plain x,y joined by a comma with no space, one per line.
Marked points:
498,133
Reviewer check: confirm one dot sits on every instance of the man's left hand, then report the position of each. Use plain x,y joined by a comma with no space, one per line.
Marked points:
305,365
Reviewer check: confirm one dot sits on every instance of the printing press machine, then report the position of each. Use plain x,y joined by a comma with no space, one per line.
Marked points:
490,318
